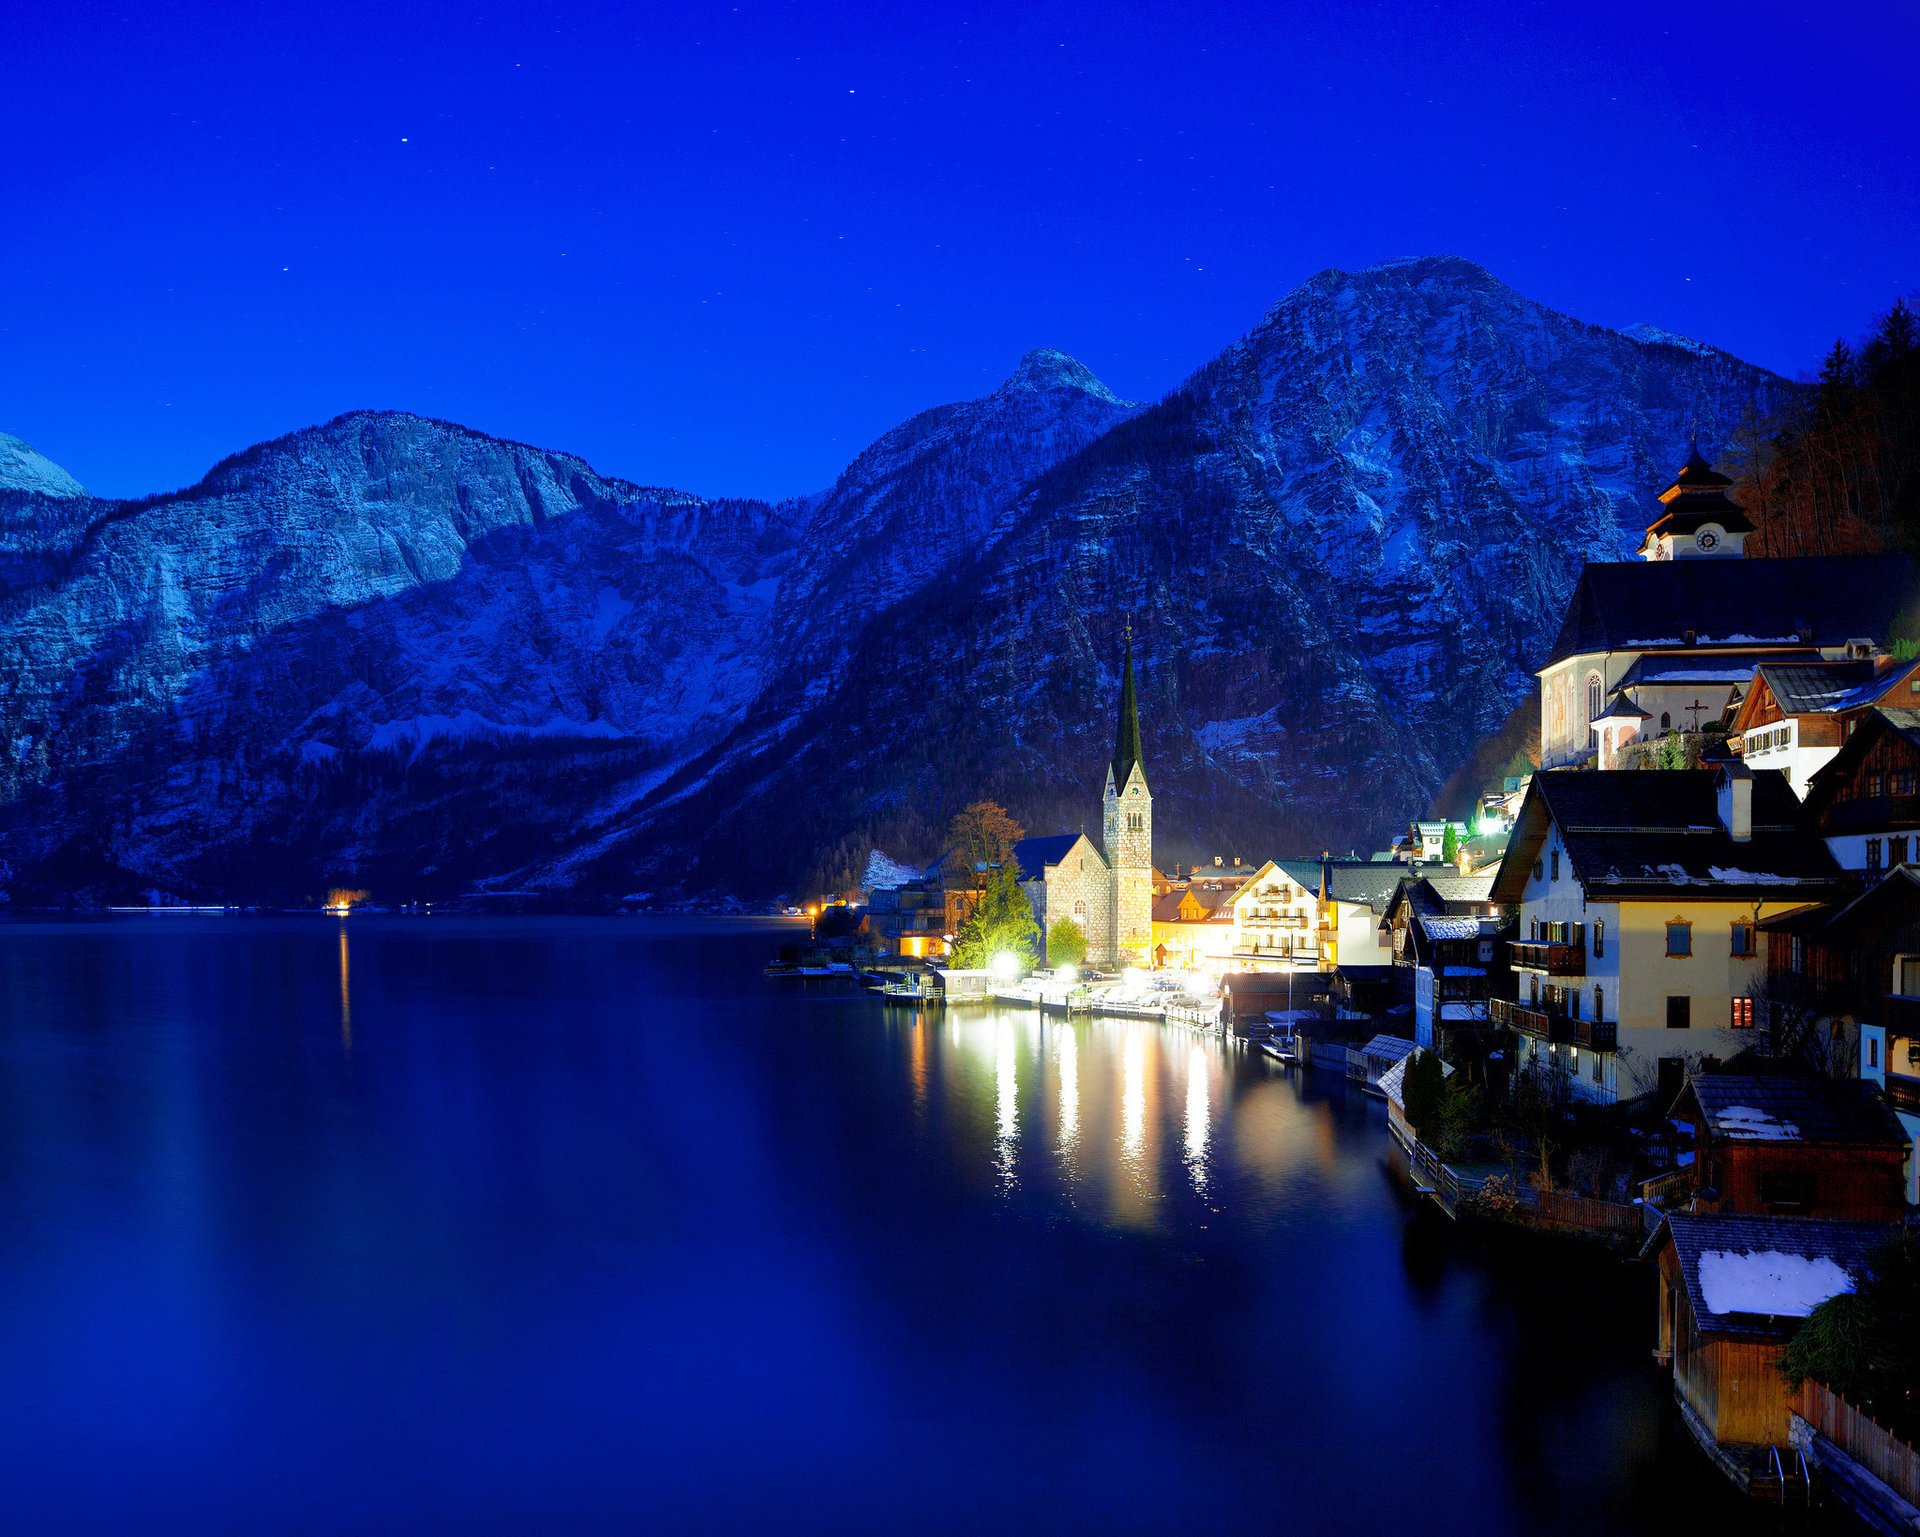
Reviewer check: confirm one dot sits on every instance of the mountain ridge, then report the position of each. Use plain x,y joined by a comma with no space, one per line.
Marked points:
408,654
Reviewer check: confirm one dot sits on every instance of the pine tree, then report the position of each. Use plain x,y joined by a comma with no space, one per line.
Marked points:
1001,922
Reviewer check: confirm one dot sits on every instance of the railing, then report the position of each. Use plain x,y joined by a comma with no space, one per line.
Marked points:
1669,1189
1556,1027
1557,958
1874,1447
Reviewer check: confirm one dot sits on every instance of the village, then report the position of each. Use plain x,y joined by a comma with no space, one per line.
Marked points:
1660,991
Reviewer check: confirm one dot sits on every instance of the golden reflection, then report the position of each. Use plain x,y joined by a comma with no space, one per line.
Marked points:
917,1058
1197,1117
1007,1100
1133,1092
1069,1054
346,998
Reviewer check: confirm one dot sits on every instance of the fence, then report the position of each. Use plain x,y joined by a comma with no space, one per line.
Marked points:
1588,1214
1876,1449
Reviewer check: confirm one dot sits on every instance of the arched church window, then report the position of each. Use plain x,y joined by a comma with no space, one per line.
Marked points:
1593,695
1666,720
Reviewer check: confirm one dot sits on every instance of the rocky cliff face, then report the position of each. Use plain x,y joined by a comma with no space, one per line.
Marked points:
395,652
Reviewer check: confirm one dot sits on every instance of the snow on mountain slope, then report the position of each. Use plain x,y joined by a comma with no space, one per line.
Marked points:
23,468
1344,545
398,653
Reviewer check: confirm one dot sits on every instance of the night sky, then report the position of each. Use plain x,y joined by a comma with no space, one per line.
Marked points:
723,247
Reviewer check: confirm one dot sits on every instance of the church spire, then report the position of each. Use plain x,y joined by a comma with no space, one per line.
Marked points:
1126,747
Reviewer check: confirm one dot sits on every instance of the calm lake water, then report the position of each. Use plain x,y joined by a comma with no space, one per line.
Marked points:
572,1225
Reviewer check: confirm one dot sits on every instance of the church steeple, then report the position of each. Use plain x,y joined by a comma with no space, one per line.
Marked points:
1126,746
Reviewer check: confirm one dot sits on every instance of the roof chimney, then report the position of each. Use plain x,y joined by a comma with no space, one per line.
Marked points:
1736,800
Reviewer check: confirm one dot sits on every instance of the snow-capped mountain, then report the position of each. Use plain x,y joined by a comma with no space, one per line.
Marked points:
398,653
24,468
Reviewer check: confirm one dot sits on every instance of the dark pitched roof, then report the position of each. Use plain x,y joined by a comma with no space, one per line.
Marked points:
1850,1245
1779,1108
1815,688
1373,884
1657,833
1126,744
1033,855
1902,882
1811,600
1449,886
1166,906
1720,669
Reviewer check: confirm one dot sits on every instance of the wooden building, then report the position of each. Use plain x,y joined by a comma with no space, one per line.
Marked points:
1731,1292
1797,715
1866,801
1786,1145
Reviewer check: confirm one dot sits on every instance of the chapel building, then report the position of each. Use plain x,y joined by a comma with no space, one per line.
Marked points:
1107,889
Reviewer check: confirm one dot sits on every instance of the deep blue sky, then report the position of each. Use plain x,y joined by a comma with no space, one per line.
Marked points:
723,247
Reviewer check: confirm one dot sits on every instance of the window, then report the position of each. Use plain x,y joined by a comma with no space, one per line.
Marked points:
1679,1011
1593,695
1596,1067
1534,931
1876,786
1786,1194
1599,1002
1742,938
1906,975
1556,864
1897,851
1599,936
1742,1018
1873,1053
1536,869
1679,937
1873,853
1666,720
1797,955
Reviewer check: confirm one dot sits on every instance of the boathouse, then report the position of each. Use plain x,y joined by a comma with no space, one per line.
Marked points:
1732,1290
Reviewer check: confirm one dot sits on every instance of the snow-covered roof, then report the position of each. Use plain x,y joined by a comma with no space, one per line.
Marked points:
1769,1283
1393,1082
1444,927
1757,1276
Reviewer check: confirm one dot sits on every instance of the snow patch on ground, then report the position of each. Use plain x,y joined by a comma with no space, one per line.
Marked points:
1770,1284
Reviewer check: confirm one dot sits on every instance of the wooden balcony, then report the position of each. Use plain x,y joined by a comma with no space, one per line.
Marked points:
1556,958
1903,1092
1556,1027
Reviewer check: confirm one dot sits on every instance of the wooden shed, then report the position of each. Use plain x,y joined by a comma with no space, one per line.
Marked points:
1791,1146
1732,1290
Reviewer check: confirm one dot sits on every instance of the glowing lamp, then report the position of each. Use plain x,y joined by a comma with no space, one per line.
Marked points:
1068,973
1133,976
1006,965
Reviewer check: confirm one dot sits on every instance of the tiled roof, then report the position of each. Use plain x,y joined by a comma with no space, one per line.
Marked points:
1811,600
1815,688
1372,884
1780,1108
1850,1245
1452,887
1392,1047
1728,669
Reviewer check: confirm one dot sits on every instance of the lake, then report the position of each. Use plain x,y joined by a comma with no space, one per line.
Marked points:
423,1225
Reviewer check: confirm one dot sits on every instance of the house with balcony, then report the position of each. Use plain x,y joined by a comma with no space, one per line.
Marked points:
1867,799
1796,715
1850,973
1446,932
1276,917
1640,897
1699,615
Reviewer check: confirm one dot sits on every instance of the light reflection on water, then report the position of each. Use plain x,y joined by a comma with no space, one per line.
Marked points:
1197,1117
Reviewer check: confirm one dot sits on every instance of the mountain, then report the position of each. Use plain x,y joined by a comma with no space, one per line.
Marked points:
25,469
396,653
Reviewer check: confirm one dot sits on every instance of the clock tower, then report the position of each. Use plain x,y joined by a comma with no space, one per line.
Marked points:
1701,521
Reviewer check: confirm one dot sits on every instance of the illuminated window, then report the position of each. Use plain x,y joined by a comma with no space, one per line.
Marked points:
1742,1014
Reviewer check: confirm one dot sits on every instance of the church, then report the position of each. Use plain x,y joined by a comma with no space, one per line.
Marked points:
1662,644
1106,889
